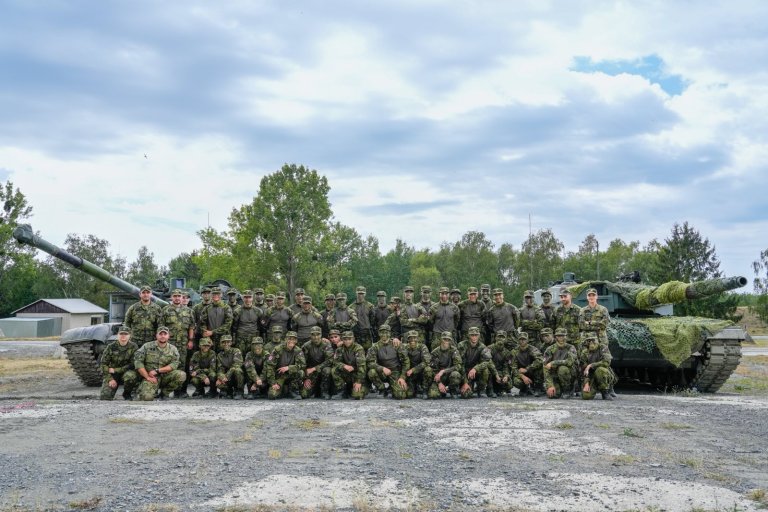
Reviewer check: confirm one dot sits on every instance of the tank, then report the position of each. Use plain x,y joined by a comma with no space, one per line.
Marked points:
650,346
85,344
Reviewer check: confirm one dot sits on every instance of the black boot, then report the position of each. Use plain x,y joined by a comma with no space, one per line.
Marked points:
198,393
606,395
489,392
612,392
326,390
338,396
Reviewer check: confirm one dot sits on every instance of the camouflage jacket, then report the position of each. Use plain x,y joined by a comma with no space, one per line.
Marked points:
217,317
304,322
204,363
594,319
281,356
179,319
549,316
600,358
364,313
343,319
319,355
197,310
143,321
568,318
254,366
471,314
229,359
501,354
531,318
477,357
380,316
353,356
246,322
530,359
386,355
565,356
418,357
444,317
503,317
412,316
278,316
151,357
448,360
118,357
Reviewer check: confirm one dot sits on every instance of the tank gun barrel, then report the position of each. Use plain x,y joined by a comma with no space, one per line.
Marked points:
24,235
701,289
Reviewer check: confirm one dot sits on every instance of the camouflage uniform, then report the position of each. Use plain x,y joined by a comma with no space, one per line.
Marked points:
381,312
120,359
232,299
531,317
412,316
217,317
500,380
318,356
502,317
344,318
548,310
181,321
229,365
595,320
446,365
197,311
383,354
546,339
143,320
365,320
255,370
292,358
527,358
426,303
599,376
485,298
444,316
475,356
203,365
298,297
419,376
353,356
328,311
151,356
246,323
305,320
472,312
561,374
258,302
393,320
456,296
277,315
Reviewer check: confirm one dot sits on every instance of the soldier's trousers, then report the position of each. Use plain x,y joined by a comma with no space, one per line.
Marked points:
320,382
167,383
262,390
235,380
128,379
343,381
599,380
364,339
537,377
420,380
452,380
244,340
560,378
378,379
500,387
479,383
198,381
292,379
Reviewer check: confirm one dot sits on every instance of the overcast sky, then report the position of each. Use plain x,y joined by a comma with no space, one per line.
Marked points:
141,122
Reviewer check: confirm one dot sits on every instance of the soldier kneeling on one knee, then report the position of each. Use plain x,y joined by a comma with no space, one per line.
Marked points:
285,368
203,369
117,366
595,362
230,378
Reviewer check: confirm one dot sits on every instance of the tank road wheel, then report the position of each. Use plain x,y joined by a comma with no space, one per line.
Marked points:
719,359
84,362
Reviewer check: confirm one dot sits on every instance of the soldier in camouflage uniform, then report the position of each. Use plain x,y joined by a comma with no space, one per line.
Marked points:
328,311
278,314
298,304
594,318
443,316
526,366
349,369
502,316
203,369
306,320
318,356
255,370
197,310
426,303
546,339
117,366
411,316
567,317
559,365
531,316
595,362
334,336
472,312
446,365
364,311
276,339
285,369
229,365
157,362
246,322
485,298
258,302
419,376
476,363
181,321
456,296
216,320
381,312
344,317
387,364
143,317
548,309
501,353
232,300
269,300
393,320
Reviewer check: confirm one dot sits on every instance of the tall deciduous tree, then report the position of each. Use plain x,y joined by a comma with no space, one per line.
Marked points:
144,270
468,262
539,262
17,265
760,283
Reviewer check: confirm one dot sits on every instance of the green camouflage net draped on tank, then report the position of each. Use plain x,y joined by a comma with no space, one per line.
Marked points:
675,336
640,296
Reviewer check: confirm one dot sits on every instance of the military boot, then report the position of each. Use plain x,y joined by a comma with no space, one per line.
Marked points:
606,395
612,392
339,395
293,394
127,396
238,395
198,393
326,390
489,392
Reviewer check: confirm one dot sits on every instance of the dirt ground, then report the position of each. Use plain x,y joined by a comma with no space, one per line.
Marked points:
61,449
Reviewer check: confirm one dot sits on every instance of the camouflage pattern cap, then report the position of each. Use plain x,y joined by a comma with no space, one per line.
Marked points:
528,293
177,291
232,291
396,299
564,291
330,296
445,289
590,336
291,334
216,290
162,328
497,291
334,331
247,293
341,296
486,287
592,291
269,296
408,288
347,334
501,335
185,294
547,331
146,288
473,331
257,340
124,329
258,291
280,295
446,335
381,293
522,336
412,335
277,328
226,339
206,342
561,332
306,300
298,291
546,292
207,289
456,291
471,290
385,327
360,289
426,289
316,330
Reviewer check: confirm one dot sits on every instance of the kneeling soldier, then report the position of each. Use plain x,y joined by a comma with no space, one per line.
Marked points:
157,362
318,354
285,368
559,363
526,364
446,363
254,366
229,379
349,368
500,380
387,364
476,362
419,375
203,369
117,366
595,362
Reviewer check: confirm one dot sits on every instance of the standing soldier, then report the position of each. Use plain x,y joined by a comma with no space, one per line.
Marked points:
285,369
278,315
412,316
246,322
258,301
476,362
381,312
318,356
203,369
229,363
344,318
386,366
531,316
595,362
254,369
456,296
198,308
393,320
500,380
306,320
548,309
426,303
485,298
157,362
185,298
446,365
567,316
471,312
232,298
419,376
143,317
502,316
269,300
444,316
594,318
364,311
546,338
349,369
330,307
181,321
298,298
216,319
526,367
559,364
117,366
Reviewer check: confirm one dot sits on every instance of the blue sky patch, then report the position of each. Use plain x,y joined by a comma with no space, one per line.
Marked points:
650,67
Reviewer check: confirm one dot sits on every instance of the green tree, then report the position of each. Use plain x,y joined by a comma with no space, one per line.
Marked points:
144,270
184,266
424,270
760,283
396,268
468,262
538,263
18,269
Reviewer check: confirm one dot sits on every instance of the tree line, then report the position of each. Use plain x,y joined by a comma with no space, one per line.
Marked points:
287,237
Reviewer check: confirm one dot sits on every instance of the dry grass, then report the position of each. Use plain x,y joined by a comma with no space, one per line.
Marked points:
750,377
127,421
274,454
623,460
24,367
89,504
154,451
675,426
754,325
759,496
161,507
564,426
244,438
310,424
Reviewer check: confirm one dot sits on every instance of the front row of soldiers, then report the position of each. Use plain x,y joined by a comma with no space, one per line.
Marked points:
340,368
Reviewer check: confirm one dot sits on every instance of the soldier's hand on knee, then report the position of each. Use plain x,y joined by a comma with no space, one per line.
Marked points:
307,384
258,382
465,388
276,386
207,381
551,391
113,383
386,371
471,374
402,383
442,387
356,387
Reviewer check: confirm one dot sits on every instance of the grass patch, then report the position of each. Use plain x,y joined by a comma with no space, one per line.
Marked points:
604,426
719,477
623,460
556,458
759,496
691,462
405,455
88,504
675,426
564,426
310,424
161,507
154,451
256,424
243,438
127,421
274,454
628,432
465,455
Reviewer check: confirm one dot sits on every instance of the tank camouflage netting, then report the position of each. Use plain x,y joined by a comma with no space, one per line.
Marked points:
676,337
640,296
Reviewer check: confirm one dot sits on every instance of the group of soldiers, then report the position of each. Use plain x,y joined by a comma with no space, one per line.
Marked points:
400,348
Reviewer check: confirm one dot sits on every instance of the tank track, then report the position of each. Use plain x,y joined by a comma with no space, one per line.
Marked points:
720,355
84,362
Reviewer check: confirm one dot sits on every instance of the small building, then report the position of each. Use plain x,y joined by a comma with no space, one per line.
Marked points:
30,327
72,312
